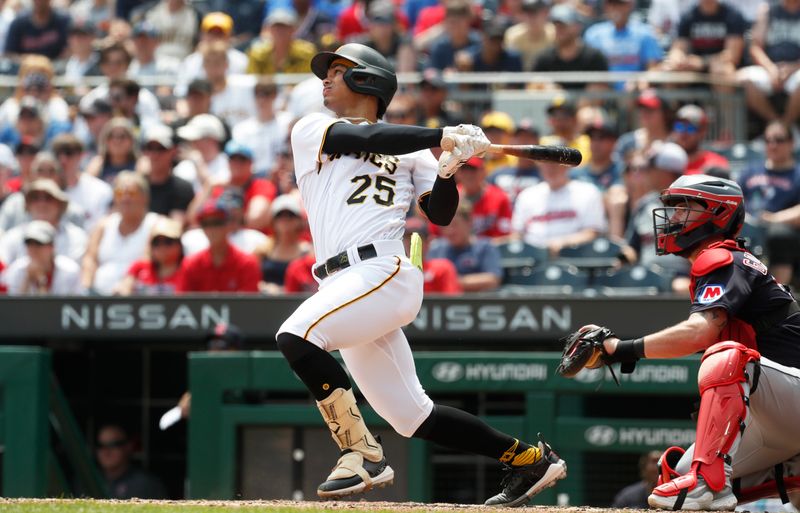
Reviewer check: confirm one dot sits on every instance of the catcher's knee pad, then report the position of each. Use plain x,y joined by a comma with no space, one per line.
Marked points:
347,425
723,407
667,464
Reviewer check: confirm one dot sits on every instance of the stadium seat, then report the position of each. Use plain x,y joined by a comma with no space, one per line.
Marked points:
755,238
549,279
599,253
634,280
517,257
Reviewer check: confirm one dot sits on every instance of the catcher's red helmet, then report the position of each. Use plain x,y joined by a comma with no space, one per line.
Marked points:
676,230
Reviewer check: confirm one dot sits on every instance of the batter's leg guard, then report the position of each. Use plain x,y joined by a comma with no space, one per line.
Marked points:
362,465
667,464
720,421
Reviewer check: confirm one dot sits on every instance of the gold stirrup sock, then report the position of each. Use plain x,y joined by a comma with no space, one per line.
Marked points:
347,426
527,456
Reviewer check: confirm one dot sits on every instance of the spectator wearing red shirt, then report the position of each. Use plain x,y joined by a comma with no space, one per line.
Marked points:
440,274
220,267
158,272
491,208
353,21
689,131
258,193
299,278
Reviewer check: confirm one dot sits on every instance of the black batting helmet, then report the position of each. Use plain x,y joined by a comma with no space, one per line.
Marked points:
371,75
722,212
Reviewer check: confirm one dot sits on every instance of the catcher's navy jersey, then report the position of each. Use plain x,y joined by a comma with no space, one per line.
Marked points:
747,290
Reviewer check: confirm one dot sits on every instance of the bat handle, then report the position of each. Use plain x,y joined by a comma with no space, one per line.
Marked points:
447,143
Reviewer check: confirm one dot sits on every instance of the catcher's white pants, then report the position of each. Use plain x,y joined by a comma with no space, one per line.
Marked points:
771,433
360,311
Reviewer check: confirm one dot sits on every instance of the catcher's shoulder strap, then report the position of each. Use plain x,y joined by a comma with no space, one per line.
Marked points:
715,257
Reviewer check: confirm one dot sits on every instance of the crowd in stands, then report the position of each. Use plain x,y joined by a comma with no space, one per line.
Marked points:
113,183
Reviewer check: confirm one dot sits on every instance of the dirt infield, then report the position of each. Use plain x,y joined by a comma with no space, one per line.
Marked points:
153,506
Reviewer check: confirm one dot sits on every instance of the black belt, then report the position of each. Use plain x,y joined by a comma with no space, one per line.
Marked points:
342,261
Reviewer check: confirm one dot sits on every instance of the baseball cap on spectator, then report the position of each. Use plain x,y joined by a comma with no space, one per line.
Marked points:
166,227
667,156
199,85
692,114
562,103
381,11
534,5
649,99
202,126
217,20
474,163
563,13
213,208
282,16
30,105
526,125
457,8
601,125
162,134
96,108
495,29
499,120
85,27
145,28
225,337
39,231
237,148
47,186
432,77
286,203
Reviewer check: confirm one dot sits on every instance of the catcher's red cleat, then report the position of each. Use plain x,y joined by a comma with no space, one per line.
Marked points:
690,492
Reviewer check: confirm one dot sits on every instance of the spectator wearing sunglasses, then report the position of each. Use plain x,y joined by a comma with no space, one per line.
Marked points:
221,267
34,79
91,193
157,273
121,238
772,195
170,195
124,480
266,130
41,271
689,131
245,239
45,201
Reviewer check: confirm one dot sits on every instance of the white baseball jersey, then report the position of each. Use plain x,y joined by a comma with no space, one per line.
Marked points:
541,214
355,199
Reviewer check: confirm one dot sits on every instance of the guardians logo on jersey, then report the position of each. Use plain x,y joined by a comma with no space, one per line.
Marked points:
386,163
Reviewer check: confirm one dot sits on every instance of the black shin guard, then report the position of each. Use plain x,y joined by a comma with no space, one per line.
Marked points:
460,430
320,371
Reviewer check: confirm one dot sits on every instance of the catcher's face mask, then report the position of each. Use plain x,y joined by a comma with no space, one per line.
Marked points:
675,223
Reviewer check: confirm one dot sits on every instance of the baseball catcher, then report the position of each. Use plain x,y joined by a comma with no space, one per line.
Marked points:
748,327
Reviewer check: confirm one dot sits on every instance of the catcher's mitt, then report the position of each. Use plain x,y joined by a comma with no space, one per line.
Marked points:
583,349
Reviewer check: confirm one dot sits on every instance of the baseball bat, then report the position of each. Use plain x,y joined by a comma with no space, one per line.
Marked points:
558,154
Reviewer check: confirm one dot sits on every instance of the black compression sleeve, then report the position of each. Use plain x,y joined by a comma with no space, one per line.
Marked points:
441,204
381,138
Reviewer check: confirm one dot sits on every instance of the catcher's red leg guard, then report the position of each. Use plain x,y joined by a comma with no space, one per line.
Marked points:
720,421
667,463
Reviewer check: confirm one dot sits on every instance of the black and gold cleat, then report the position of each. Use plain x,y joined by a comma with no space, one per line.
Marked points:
521,483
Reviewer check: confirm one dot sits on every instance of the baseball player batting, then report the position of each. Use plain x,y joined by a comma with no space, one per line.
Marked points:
358,178
748,326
